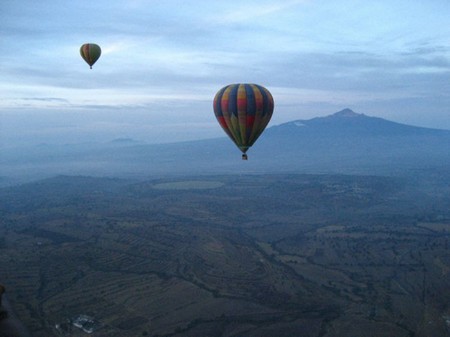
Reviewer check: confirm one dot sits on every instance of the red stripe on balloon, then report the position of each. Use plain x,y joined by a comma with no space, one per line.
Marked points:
250,122
222,122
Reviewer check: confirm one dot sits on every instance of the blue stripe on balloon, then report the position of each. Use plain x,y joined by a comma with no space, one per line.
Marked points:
232,101
266,101
251,103
218,103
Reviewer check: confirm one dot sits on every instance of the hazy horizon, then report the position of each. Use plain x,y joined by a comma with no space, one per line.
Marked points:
10,138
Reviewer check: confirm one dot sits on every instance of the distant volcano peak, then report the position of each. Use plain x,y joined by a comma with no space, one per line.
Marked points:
346,113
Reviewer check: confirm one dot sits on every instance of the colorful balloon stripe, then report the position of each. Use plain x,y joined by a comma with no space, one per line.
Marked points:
90,52
243,111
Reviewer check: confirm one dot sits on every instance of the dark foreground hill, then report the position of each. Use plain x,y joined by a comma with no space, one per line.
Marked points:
228,256
345,142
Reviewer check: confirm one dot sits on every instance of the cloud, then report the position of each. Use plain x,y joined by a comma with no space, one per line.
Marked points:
248,13
295,97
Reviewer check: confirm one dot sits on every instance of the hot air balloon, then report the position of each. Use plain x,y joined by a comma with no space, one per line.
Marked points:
90,52
243,111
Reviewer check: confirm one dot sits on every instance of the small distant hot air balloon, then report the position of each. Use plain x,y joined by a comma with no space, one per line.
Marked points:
243,111
90,52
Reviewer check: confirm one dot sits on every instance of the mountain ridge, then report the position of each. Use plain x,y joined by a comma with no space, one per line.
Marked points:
349,121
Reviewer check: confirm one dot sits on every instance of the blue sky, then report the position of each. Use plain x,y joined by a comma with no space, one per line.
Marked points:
163,61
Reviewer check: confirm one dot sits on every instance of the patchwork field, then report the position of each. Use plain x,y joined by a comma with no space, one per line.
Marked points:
284,255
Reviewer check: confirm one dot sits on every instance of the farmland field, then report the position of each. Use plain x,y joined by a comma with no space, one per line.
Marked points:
262,255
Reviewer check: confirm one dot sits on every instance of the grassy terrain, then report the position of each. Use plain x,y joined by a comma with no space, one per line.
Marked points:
189,185
262,255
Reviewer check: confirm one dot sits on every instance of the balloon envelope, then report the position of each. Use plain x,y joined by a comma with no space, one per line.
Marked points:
90,52
243,111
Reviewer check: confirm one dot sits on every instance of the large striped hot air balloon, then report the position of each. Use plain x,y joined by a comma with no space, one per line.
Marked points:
90,52
243,112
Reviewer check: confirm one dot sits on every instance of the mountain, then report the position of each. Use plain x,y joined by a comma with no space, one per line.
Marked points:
349,142
347,123
344,142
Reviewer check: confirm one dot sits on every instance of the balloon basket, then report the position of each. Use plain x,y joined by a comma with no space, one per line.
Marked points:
244,157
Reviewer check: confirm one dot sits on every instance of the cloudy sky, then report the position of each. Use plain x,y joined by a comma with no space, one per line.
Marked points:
163,61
